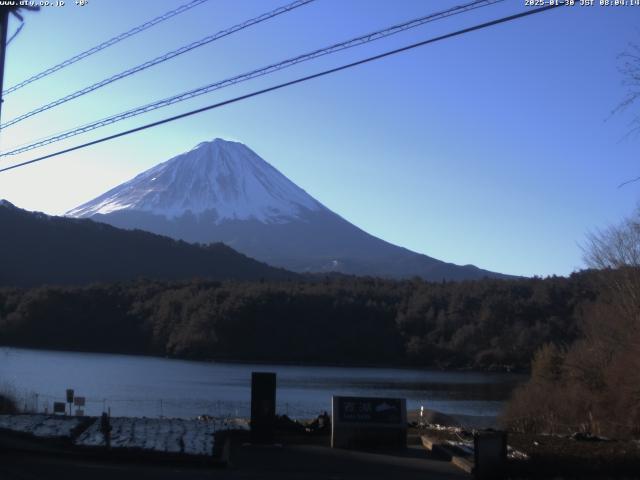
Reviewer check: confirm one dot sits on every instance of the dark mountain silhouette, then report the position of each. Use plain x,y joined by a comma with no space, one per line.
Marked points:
39,249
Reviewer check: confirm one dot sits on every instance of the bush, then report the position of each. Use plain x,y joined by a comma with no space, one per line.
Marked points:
593,387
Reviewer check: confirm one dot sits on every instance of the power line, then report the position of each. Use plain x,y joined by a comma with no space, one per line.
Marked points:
287,84
106,44
162,58
254,74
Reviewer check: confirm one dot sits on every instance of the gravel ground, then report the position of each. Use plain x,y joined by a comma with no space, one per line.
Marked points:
247,462
565,457
587,458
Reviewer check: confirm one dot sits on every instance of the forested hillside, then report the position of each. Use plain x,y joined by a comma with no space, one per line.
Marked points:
488,324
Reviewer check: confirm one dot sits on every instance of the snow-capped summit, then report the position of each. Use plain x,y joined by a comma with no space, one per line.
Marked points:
223,178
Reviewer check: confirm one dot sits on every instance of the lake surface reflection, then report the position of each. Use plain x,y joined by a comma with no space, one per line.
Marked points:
151,386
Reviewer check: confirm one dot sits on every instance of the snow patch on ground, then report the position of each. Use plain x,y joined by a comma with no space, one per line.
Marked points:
175,435
165,435
41,426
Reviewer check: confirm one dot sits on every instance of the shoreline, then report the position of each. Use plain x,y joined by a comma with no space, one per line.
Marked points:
285,363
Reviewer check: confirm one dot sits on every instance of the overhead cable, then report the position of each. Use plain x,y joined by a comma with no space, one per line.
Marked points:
163,58
105,44
395,29
286,84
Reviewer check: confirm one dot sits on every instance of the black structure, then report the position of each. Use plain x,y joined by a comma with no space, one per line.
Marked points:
263,407
4,26
490,455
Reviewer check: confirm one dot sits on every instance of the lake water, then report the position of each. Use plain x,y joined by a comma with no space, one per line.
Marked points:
152,387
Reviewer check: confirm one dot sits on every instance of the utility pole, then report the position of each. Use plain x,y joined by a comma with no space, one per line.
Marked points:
4,26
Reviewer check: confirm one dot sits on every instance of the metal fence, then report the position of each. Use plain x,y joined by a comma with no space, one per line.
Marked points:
34,402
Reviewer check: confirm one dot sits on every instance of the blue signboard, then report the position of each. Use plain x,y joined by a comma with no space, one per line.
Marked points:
369,410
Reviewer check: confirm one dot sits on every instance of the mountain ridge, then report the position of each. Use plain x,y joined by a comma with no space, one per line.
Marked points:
43,249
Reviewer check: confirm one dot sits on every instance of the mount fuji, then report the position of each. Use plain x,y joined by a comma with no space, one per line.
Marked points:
222,191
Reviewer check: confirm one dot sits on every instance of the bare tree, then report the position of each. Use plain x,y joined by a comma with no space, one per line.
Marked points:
615,247
618,248
594,385
630,69
613,331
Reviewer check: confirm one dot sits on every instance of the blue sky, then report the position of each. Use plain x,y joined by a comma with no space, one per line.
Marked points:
496,148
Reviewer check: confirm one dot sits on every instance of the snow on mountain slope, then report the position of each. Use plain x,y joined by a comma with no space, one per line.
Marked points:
223,177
